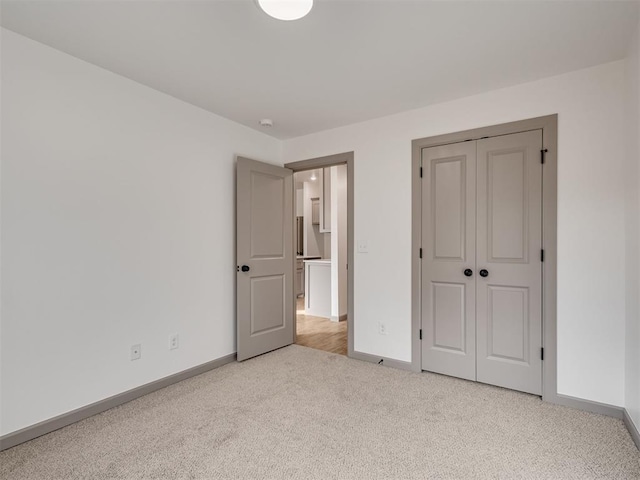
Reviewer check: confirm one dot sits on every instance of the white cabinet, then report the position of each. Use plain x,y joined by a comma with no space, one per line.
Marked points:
299,273
325,201
317,300
299,277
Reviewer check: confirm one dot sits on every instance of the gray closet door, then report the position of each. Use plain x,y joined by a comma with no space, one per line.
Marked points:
448,239
509,242
264,257
482,216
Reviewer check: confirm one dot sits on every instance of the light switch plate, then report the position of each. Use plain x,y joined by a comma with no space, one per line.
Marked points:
363,246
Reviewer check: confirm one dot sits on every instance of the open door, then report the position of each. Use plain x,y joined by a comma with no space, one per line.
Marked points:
264,239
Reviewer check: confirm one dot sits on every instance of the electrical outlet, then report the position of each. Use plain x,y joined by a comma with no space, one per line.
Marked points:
136,351
363,246
382,328
173,341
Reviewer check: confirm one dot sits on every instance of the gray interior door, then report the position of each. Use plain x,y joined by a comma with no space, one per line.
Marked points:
481,265
264,257
509,242
448,239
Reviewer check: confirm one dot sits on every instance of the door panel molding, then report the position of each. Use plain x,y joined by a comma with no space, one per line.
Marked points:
443,338
507,196
267,225
446,195
268,289
549,126
492,345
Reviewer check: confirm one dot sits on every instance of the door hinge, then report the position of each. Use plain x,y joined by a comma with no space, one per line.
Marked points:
542,155
542,255
420,252
420,334
420,172
542,353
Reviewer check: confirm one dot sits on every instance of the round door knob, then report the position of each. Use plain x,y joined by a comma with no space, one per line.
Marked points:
245,268
468,272
483,273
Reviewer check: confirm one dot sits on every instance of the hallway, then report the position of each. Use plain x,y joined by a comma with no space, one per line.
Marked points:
320,333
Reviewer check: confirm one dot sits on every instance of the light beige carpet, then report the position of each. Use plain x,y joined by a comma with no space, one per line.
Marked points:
302,413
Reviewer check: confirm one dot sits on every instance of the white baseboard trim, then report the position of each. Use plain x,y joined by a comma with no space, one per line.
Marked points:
47,426
387,362
586,405
633,429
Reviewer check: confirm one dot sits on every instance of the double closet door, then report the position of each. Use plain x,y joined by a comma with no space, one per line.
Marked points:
481,264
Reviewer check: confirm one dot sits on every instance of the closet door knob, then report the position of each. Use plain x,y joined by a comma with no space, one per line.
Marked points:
468,272
245,268
483,273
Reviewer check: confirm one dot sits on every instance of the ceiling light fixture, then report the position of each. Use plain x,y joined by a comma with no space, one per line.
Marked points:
266,122
286,9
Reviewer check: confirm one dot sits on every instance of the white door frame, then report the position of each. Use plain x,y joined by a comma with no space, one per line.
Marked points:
323,162
549,127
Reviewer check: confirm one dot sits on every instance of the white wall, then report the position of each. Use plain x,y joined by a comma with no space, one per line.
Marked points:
326,245
326,191
338,237
632,171
591,244
118,228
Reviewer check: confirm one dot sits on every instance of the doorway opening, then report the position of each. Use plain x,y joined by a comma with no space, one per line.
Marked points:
321,263
323,237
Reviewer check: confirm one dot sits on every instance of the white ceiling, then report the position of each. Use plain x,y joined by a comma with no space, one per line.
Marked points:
347,61
301,177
